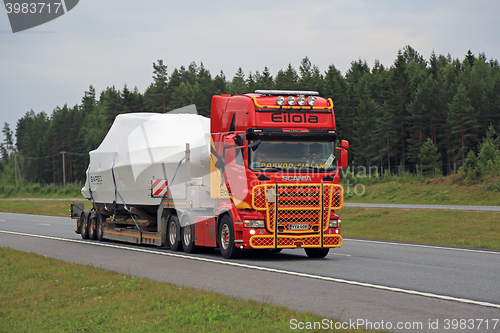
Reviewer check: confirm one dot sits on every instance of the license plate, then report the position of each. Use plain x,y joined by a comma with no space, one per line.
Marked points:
304,226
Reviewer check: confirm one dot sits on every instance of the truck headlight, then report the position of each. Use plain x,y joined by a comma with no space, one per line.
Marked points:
333,224
254,224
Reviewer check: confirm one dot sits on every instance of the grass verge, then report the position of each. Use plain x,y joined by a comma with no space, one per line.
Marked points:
39,294
40,207
41,191
443,227
452,190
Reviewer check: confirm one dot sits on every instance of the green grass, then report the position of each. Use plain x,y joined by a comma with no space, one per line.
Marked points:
453,190
39,294
40,207
443,227
41,191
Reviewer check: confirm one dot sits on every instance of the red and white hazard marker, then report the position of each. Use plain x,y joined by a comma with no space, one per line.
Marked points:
159,188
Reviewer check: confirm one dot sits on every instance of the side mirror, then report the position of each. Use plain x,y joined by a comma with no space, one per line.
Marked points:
343,158
229,141
345,144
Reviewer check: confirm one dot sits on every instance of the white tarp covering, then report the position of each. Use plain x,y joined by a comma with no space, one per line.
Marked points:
143,146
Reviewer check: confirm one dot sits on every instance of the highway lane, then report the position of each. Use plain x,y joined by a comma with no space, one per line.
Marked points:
459,273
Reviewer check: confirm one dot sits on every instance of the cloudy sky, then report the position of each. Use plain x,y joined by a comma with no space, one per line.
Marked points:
113,42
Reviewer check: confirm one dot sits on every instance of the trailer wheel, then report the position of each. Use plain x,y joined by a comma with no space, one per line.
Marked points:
100,232
93,228
226,239
84,228
174,233
188,238
316,253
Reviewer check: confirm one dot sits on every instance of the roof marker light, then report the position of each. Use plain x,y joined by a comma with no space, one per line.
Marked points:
311,100
280,100
301,100
290,100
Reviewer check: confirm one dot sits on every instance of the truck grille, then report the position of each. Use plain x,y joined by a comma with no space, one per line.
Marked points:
297,208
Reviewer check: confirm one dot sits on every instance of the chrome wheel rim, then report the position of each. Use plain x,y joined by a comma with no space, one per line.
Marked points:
187,235
224,236
172,234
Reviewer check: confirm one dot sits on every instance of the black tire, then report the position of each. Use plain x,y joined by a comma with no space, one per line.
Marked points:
227,246
316,253
100,231
84,227
93,228
188,238
173,233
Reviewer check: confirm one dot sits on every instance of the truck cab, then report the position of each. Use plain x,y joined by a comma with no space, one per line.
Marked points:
275,170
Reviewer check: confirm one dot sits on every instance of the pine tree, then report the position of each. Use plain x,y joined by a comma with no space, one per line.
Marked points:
429,158
8,142
204,90
265,81
237,85
287,80
462,125
220,84
160,93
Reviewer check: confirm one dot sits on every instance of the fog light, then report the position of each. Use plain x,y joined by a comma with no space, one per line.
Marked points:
252,232
334,224
290,100
280,100
301,100
253,224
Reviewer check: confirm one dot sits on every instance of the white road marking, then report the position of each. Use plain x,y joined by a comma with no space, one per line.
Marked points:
44,224
318,277
2,220
422,245
341,254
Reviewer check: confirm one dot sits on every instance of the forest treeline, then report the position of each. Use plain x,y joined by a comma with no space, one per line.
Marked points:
432,112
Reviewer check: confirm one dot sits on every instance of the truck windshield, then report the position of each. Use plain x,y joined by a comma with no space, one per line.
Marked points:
293,156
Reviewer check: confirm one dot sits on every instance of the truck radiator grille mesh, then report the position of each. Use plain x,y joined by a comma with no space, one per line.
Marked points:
267,241
297,208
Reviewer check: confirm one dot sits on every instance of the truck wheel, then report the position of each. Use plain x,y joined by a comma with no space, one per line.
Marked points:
173,233
188,238
84,228
316,253
100,231
226,239
92,228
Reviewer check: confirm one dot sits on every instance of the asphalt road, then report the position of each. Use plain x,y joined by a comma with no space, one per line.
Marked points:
362,281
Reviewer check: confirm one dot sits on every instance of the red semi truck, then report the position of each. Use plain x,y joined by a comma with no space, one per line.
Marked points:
262,173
